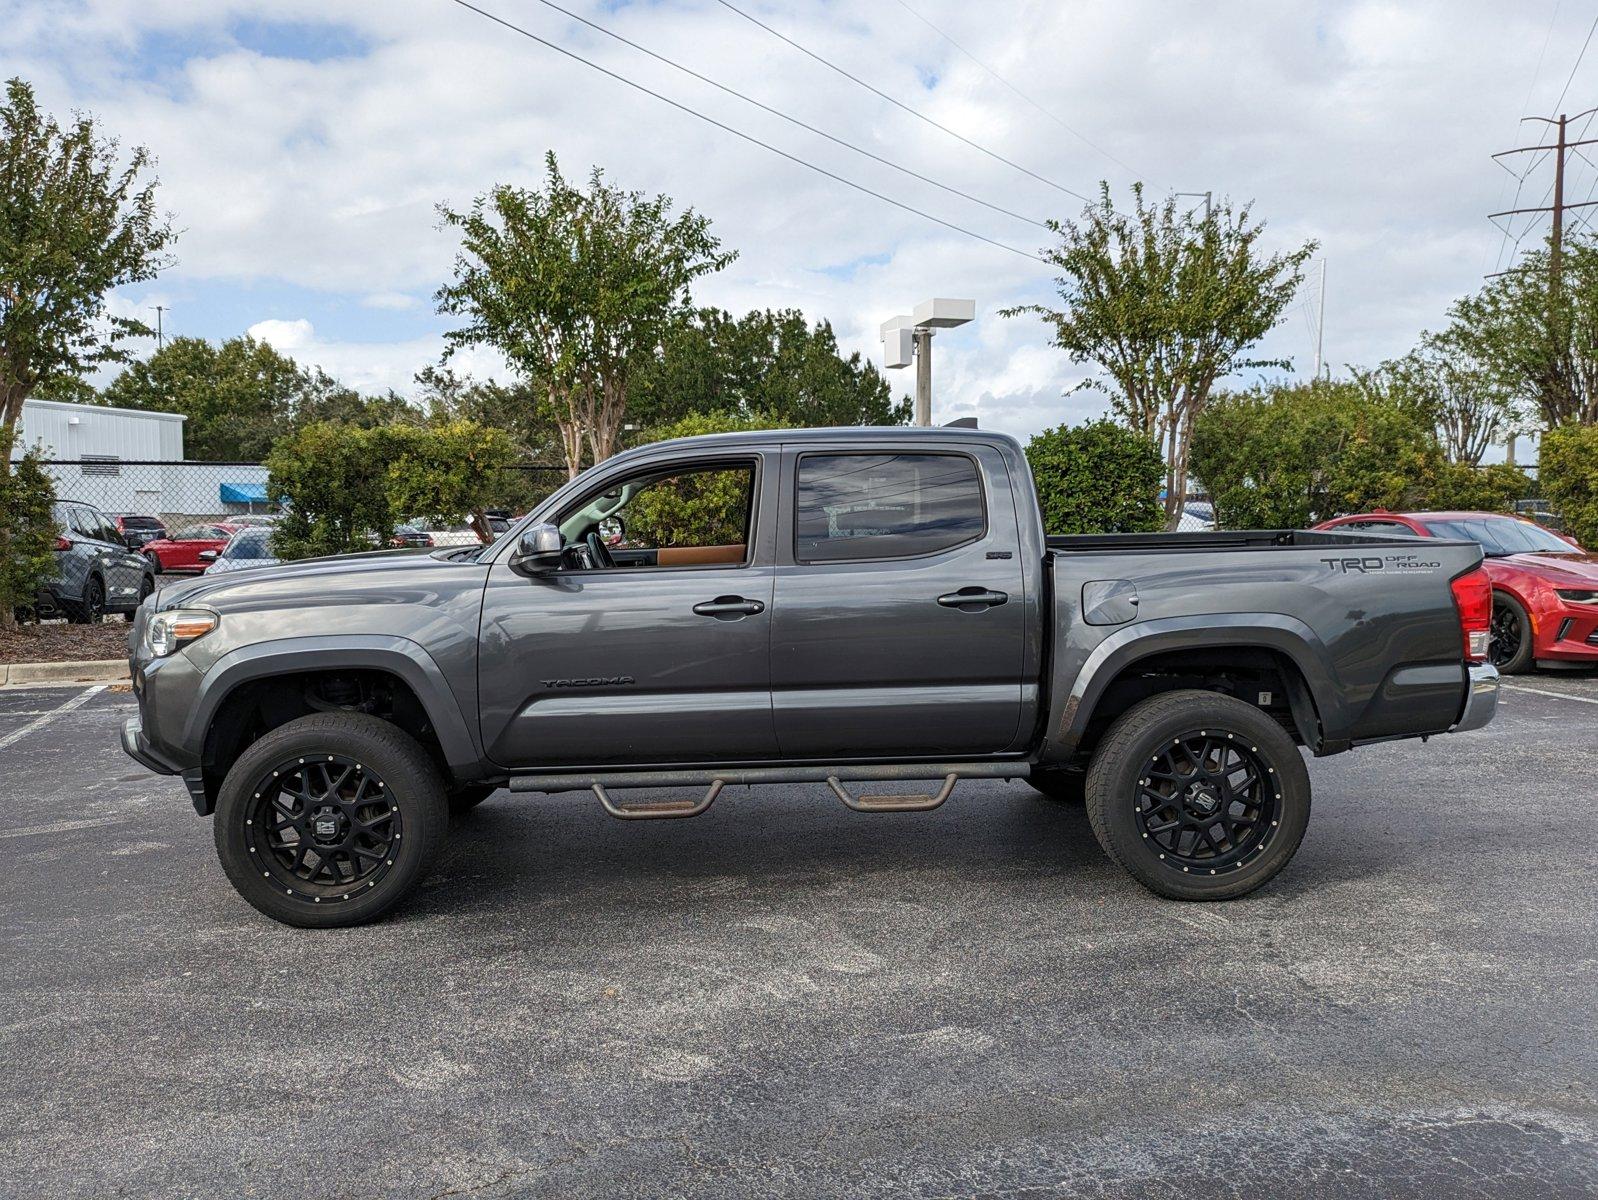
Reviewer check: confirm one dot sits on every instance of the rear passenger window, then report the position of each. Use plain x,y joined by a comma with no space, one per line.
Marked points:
859,506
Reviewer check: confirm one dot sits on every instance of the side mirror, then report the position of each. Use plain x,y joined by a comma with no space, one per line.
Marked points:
208,555
537,550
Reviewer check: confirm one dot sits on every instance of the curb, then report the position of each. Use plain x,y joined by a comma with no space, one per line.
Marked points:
104,670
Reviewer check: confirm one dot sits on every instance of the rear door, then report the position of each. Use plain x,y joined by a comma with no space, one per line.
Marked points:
900,623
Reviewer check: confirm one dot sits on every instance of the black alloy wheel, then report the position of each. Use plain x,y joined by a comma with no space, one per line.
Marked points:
1207,802
1509,636
322,828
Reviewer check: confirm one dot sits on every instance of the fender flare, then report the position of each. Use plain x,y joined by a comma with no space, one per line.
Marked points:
397,655
1286,635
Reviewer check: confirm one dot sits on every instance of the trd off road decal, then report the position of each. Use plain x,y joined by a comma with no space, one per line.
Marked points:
1370,564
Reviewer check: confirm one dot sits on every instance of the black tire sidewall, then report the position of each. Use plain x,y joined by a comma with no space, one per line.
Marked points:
1126,748
409,777
1522,661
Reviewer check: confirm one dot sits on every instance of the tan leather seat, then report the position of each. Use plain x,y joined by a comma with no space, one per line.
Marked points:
700,556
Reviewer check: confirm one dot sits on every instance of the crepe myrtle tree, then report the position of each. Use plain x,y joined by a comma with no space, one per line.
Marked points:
1165,303
576,287
77,219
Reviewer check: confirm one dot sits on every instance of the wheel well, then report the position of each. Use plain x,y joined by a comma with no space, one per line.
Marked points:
1245,672
258,706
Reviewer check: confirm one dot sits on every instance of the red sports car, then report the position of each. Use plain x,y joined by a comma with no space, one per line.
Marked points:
181,551
1545,587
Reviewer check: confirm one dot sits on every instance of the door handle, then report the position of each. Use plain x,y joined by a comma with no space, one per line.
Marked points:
725,608
973,599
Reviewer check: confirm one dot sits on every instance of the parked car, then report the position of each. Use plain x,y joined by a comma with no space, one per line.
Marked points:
428,534
249,547
1545,586
95,572
181,552
136,530
834,606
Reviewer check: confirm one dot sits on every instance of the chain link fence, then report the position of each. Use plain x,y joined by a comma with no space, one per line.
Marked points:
179,494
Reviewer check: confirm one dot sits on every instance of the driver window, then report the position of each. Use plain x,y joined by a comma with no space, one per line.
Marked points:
687,517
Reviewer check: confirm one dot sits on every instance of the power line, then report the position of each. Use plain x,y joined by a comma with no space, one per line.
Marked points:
610,33
920,116
1081,137
1525,109
738,133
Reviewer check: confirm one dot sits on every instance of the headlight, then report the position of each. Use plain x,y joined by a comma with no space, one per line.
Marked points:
176,627
1578,595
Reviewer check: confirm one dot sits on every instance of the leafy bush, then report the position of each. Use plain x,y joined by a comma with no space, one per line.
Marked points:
27,533
1097,478
1482,489
1568,472
444,472
1291,456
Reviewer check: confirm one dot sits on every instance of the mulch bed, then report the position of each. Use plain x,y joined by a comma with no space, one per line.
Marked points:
60,642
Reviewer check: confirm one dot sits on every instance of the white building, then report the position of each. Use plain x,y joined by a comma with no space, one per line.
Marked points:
129,460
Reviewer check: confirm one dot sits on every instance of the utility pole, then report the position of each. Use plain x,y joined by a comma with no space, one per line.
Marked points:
1206,196
1320,320
160,338
924,377
1560,148
909,337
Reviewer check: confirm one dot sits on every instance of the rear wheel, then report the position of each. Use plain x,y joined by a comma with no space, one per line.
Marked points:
154,560
330,819
1198,795
89,609
1509,641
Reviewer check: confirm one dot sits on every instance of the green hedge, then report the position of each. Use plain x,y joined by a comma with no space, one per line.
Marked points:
27,533
1097,478
1568,472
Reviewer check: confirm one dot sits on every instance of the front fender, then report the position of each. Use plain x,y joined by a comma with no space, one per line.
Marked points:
379,652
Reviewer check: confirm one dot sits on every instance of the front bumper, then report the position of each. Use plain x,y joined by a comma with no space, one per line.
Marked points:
1481,698
137,747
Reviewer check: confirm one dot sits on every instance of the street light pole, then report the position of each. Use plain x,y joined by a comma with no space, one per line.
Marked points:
907,338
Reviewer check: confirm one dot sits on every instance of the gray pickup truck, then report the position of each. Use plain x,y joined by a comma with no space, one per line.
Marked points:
839,607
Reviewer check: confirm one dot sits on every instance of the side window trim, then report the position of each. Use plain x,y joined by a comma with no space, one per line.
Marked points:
754,463
792,503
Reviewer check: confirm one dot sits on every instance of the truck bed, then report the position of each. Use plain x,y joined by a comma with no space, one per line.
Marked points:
1245,539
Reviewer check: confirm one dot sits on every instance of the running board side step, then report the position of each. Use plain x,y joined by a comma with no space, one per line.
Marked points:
833,776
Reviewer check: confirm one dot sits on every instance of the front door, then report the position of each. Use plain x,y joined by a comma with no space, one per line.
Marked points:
652,644
901,615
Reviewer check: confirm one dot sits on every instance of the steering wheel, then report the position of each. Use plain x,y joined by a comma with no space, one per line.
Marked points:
598,552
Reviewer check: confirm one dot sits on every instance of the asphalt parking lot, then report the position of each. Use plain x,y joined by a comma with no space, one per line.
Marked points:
784,998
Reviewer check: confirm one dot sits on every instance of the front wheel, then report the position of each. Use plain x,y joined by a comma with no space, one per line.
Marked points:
1509,639
330,819
1198,795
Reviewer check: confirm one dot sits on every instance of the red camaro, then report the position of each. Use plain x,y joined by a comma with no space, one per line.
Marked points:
181,551
1545,588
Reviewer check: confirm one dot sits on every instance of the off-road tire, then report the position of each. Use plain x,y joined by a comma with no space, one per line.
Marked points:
1123,756
412,785
1063,787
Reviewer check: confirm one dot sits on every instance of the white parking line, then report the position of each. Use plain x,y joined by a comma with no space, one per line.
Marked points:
1520,687
61,826
78,701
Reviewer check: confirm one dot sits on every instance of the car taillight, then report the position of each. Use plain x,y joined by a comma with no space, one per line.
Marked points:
1473,597
62,543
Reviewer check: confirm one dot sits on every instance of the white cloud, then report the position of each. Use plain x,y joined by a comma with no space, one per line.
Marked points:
370,367
1364,125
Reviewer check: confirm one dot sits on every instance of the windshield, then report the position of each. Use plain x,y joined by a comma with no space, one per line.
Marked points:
1500,536
250,543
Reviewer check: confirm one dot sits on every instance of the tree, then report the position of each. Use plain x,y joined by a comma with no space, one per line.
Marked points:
1097,478
576,288
333,483
242,396
700,508
1568,473
446,471
1165,304
772,363
1464,399
75,222
27,532
1294,455
1543,346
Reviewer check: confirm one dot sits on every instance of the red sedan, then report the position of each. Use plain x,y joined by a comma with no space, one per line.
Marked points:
181,551
1545,587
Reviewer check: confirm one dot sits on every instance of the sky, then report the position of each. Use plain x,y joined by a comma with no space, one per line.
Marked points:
303,147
